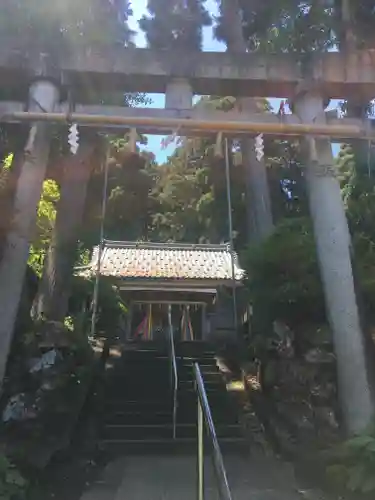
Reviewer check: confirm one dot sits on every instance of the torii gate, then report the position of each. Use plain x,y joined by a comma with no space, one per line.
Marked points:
180,75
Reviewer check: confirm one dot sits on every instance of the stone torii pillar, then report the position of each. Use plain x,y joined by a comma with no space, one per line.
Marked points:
178,94
43,96
333,248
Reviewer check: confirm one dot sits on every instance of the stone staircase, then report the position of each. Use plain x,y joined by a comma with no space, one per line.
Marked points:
144,461
138,402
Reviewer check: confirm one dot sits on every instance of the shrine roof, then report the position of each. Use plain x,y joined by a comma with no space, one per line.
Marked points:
165,261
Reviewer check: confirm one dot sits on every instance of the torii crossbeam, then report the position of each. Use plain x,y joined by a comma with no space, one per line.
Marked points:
215,73
200,124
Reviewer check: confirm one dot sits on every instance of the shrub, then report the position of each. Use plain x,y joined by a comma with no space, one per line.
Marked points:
354,463
283,274
12,484
284,279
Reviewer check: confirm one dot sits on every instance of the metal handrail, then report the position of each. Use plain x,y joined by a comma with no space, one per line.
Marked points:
174,374
205,416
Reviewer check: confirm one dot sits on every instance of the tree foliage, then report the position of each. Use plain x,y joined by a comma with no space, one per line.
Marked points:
283,274
289,25
12,483
294,26
45,222
128,201
175,24
352,463
51,27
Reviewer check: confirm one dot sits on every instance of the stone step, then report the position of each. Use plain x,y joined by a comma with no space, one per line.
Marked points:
162,367
170,446
164,431
185,407
147,354
139,401
217,400
165,417
125,384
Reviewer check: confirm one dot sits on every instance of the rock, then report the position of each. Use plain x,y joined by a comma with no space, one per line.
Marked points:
54,334
285,339
283,331
318,356
312,494
47,360
323,393
316,336
327,416
18,410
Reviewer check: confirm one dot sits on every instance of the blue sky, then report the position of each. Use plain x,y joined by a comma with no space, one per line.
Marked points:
209,44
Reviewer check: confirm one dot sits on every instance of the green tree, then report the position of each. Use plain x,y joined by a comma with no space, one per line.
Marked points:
294,26
283,276
259,211
191,191
289,25
190,188
129,205
285,168
175,24
39,25
46,217
52,299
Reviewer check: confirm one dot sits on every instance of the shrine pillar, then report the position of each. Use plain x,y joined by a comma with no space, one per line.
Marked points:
333,248
179,94
259,215
43,96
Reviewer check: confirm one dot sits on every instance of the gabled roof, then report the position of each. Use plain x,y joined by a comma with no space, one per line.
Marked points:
166,261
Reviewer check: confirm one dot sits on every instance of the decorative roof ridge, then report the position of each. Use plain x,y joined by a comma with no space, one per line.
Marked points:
148,245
